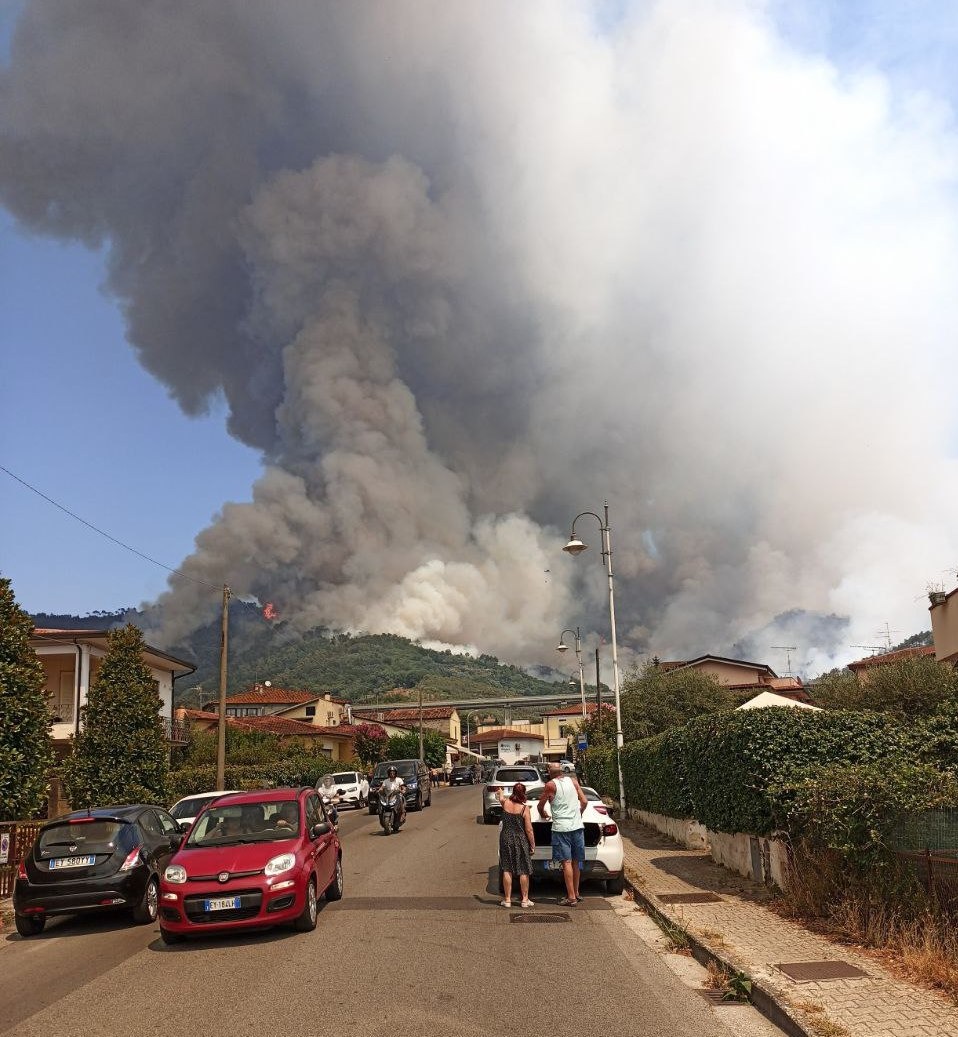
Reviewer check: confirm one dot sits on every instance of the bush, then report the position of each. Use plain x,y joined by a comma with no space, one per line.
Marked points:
294,772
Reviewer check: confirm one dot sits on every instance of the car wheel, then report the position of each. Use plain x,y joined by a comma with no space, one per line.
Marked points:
30,925
616,885
488,819
146,910
306,922
334,891
170,938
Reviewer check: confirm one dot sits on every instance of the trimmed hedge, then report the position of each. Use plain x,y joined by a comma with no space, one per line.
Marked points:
731,771
294,772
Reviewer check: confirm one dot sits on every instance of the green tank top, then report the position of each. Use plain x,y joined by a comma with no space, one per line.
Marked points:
566,815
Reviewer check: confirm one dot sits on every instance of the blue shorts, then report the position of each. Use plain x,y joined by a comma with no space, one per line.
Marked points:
569,846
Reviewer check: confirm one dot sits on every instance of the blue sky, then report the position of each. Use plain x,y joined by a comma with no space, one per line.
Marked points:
81,420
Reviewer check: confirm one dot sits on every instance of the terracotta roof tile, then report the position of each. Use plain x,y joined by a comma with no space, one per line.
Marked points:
496,733
260,695
409,714
892,657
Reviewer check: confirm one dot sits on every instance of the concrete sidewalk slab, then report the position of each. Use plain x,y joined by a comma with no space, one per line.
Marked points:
741,930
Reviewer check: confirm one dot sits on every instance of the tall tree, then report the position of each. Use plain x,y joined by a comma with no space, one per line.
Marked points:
121,754
914,687
26,753
654,699
406,747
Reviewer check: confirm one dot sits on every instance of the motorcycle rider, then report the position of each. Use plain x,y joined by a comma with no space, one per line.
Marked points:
330,796
394,783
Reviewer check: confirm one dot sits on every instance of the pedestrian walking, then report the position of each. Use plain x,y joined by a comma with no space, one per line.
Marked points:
517,843
565,797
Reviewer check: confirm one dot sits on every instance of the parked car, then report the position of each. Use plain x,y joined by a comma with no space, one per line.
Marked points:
258,859
185,811
350,787
604,852
91,860
462,776
415,776
503,778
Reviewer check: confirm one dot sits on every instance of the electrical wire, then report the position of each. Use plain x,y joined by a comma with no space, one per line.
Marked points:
103,533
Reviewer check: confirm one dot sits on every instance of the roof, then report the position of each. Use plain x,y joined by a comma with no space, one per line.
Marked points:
569,711
260,695
496,733
70,636
280,726
394,716
768,698
887,658
677,665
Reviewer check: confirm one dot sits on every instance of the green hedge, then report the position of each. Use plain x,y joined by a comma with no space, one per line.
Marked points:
731,771
294,772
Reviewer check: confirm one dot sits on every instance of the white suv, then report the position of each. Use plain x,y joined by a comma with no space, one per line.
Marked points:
503,779
351,786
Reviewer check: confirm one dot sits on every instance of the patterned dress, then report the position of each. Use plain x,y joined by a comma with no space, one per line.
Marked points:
514,854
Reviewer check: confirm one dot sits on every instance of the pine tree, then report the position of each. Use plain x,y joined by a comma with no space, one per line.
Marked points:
26,752
120,755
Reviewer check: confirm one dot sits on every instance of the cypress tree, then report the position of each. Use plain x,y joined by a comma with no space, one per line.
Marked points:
26,752
120,755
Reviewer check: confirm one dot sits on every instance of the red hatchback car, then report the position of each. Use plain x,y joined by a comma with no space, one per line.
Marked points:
251,860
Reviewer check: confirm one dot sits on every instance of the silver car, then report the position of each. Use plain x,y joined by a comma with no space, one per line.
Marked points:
503,779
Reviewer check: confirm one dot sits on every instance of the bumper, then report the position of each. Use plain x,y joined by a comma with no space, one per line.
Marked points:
461,781
260,903
73,896
492,807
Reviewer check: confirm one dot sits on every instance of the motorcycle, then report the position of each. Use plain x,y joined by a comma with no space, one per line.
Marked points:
391,814
329,802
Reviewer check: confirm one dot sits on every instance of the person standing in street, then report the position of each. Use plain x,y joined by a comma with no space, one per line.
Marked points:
564,796
517,843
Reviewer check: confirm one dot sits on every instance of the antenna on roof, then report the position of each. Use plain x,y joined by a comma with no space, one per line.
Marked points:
787,649
886,634
874,649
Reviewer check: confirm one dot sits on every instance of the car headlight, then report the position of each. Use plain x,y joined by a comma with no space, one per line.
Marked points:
284,862
175,873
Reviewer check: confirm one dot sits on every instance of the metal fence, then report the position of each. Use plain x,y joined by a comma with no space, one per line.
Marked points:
937,872
16,838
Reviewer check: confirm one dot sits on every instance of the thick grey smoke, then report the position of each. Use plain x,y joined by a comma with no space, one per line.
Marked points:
462,270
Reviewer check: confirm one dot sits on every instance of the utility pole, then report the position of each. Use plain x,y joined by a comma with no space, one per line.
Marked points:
420,722
598,694
221,725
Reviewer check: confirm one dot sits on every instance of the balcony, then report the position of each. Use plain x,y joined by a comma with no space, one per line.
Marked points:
61,712
174,732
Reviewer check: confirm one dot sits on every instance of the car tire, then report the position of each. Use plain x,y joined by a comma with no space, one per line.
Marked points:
306,922
334,891
148,908
30,925
488,819
170,938
615,886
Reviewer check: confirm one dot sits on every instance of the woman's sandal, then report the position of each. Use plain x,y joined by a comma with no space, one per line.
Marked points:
527,903
505,903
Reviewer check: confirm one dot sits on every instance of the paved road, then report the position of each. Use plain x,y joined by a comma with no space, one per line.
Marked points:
418,946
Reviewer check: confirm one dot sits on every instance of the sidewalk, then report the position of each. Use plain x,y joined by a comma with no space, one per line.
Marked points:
742,932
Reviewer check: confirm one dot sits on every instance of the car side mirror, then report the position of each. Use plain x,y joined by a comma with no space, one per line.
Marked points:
323,828
183,826
176,840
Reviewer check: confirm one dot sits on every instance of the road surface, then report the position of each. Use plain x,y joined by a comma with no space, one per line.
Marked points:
418,946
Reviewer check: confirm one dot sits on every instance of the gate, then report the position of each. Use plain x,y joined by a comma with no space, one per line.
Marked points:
16,839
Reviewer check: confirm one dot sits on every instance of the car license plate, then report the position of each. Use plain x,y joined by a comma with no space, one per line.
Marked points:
553,865
223,904
71,862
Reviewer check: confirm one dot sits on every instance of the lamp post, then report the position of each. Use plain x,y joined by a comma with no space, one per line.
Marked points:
563,647
575,547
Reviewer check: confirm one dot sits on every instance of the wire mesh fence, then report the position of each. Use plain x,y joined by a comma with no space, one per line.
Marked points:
16,839
927,844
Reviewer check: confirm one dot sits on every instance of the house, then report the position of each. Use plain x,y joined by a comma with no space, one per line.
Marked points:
336,742
742,676
444,719
861,666
560,726
510,744
323,710
261,700
71,660
944,625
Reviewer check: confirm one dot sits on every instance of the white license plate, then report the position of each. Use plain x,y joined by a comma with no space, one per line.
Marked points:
223,904
553,865
71,862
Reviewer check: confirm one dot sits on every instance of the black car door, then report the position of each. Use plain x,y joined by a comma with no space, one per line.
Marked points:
155,840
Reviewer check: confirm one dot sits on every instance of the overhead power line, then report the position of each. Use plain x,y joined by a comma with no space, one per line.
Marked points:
103,533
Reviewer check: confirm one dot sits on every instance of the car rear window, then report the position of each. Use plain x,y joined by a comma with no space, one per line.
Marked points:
345,779
95,836
191,807
514,774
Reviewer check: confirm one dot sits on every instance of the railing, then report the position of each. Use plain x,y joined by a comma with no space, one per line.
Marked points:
174,731
937,871
16,839
61,712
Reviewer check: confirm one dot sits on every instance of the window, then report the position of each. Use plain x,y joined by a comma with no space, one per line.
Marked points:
166,822
151,823
314,812
310,712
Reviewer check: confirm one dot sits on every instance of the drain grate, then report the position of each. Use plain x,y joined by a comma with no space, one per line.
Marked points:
553,916
688,898
717,998
821,971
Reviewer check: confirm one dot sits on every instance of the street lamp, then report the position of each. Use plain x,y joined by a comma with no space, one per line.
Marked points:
563,647
575,547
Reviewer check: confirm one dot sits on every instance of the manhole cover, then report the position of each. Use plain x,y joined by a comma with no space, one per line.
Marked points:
688,898
820,971
553,917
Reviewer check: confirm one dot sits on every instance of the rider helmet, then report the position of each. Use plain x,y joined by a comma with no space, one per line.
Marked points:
391,772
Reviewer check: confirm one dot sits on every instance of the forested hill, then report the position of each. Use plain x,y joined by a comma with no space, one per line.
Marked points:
364,667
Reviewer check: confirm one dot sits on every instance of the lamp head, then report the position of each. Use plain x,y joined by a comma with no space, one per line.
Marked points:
575,545
573,683
562,647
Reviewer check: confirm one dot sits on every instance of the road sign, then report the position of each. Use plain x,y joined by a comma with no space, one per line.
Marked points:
4,847
583,743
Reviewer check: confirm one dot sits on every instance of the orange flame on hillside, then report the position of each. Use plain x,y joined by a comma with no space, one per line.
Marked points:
270,611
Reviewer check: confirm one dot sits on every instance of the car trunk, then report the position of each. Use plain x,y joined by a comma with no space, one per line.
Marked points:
543,833
78,849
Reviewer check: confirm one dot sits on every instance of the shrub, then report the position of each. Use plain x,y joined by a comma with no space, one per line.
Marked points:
294,772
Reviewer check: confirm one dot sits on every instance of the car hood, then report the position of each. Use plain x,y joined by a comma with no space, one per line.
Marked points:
210,860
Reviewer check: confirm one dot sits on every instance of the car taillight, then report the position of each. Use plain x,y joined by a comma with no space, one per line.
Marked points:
82,820
21,870
598,809
132,860
610,829
495,788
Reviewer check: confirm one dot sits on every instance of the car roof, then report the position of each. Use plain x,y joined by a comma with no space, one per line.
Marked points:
122,812
282,795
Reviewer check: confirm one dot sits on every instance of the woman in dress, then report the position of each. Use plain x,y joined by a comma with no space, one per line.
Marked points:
517,842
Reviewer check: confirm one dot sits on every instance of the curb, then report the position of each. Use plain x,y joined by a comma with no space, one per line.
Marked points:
762,998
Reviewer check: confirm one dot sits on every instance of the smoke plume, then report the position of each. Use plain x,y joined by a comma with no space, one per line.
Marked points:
462,271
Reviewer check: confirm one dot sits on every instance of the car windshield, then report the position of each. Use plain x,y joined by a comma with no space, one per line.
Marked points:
405,768
246,823
191,807
514,774
344,779
81,835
